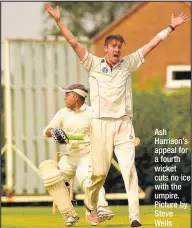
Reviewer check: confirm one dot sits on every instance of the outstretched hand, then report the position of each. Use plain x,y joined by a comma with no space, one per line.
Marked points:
179,20
55,13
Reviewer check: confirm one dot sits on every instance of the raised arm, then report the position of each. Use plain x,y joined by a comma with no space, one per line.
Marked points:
175,22
78,48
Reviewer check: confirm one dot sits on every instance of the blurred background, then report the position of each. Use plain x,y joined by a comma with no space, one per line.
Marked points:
36,60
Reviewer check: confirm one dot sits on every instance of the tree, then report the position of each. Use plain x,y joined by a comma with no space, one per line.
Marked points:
86,18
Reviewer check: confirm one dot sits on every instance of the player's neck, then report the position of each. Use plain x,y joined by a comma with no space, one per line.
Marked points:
109,62
77,106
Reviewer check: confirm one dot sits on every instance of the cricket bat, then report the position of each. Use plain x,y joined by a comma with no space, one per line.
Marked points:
87,138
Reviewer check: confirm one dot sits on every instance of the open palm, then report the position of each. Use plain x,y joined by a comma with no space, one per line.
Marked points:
176,21
54,13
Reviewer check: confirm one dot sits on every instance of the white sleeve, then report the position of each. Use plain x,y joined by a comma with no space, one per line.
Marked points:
89,61
134,60
55,122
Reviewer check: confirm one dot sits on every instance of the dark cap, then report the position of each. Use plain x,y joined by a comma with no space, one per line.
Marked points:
77,88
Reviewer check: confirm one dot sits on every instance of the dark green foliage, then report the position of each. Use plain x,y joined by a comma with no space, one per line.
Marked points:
158,110
87,18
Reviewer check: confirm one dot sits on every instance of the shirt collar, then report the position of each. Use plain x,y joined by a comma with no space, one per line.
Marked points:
81,109
103,60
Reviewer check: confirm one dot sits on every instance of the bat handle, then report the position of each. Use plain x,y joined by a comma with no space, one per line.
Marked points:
137,141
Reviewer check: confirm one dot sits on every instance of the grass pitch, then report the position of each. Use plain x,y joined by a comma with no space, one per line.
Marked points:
41,217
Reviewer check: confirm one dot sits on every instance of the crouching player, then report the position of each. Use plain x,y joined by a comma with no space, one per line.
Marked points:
74,119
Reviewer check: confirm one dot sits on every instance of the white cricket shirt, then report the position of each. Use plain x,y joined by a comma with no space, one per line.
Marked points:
73,123
110,91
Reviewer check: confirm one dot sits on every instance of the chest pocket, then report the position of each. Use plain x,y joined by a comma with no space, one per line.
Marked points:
101,76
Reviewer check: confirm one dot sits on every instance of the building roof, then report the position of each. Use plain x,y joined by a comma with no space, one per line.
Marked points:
128,13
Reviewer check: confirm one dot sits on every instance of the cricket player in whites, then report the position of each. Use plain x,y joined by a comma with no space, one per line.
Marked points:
74,119
111,103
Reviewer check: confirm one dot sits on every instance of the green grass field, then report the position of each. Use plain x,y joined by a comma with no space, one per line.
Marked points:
41,217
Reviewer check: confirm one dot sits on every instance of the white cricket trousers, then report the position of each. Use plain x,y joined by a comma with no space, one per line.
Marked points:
79,165
108,135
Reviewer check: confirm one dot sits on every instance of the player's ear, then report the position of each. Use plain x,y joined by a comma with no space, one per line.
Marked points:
105,48
76,96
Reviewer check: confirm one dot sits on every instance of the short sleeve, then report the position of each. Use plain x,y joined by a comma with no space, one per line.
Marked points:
89,61
134,60
55,122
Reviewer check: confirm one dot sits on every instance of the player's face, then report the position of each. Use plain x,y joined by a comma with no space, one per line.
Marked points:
70,99
113,51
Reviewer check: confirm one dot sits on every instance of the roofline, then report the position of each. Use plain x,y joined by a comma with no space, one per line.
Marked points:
115,22
130,11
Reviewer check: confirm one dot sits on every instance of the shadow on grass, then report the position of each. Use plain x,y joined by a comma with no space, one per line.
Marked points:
102,226
125,225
